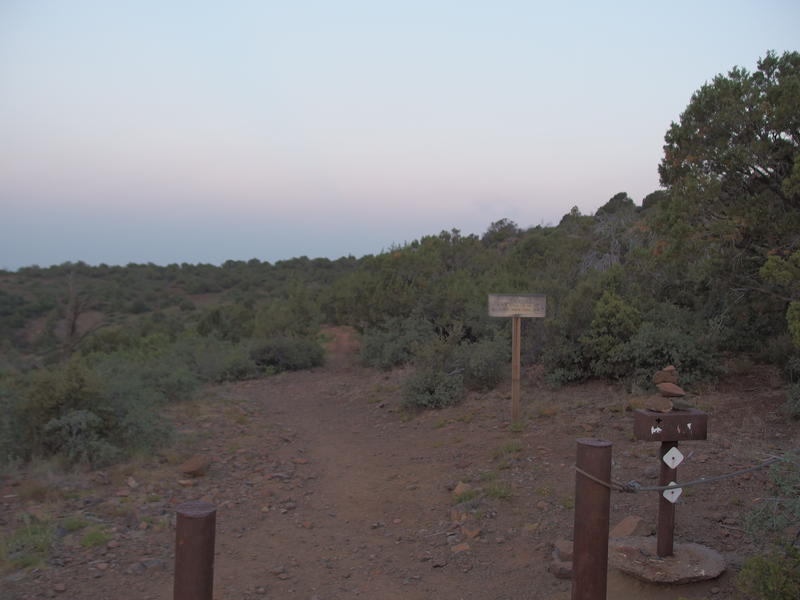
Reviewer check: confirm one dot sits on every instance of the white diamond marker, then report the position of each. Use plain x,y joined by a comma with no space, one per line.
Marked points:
673,494
673,458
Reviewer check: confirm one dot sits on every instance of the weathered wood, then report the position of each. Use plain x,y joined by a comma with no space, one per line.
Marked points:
673,426
516,339
518,305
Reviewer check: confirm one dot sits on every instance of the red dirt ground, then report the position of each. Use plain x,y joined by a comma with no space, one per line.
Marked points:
326,489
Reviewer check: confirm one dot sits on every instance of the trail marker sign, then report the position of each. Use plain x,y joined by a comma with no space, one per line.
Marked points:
517,306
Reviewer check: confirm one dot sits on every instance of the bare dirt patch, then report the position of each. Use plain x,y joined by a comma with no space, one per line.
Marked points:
326,488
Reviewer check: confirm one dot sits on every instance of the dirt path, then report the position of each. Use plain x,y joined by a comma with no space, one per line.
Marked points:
327,490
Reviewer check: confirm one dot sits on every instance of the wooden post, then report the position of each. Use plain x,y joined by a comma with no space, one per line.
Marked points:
666,509
516,338
194,551
592,505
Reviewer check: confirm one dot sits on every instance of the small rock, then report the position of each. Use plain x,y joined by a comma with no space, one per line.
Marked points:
563,550
260,590
112,544
196,466
132,483
187,482
658,404
561,569
458,548
470,530
461,488
136,569
670,390
542,505
59,587
627,527
665,376
155,563
457,516
101,566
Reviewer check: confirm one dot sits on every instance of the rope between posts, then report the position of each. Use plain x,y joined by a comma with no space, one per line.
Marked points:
633,487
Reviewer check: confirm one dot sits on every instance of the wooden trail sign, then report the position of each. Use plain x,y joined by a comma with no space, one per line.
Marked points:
517,306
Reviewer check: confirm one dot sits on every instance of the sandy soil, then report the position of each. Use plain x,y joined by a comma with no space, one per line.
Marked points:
326,489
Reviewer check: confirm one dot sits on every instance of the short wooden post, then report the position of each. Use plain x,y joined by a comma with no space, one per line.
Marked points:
666,509
194,551
516,343
592,505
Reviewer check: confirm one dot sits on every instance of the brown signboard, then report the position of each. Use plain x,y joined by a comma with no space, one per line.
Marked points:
518,305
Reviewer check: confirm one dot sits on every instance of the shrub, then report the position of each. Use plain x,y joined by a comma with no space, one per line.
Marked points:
771,576
78,437
485,363
237,365
431,388
792,406
393,342
614,323
287,354
655,346
780,511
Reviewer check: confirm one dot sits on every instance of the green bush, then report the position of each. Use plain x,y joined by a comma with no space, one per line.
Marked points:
79,436
779,511
88,414
393,342
287,354
237,365
485,363
792,406
771,576
656,345
430,388
10,442
613,325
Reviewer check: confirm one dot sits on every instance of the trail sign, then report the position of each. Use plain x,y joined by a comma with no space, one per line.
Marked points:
517,306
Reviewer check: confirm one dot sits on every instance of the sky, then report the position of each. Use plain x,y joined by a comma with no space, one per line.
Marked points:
172,131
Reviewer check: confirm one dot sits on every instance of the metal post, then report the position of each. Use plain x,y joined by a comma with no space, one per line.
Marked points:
516,336
666,509
194,551
592,504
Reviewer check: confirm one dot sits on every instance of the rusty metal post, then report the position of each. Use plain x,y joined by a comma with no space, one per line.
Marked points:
516,343
194,551
592,505
666,509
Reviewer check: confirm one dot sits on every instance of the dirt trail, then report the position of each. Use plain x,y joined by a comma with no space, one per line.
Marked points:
326,490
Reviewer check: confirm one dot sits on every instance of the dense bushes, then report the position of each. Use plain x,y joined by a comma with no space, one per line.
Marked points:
394,341
73,412
287,354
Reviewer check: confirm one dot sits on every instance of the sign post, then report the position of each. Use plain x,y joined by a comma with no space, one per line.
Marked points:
517,306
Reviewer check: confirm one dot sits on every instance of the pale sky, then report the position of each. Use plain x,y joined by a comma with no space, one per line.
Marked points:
191,131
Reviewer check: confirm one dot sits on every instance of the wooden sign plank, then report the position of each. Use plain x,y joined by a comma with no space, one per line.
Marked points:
518,305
